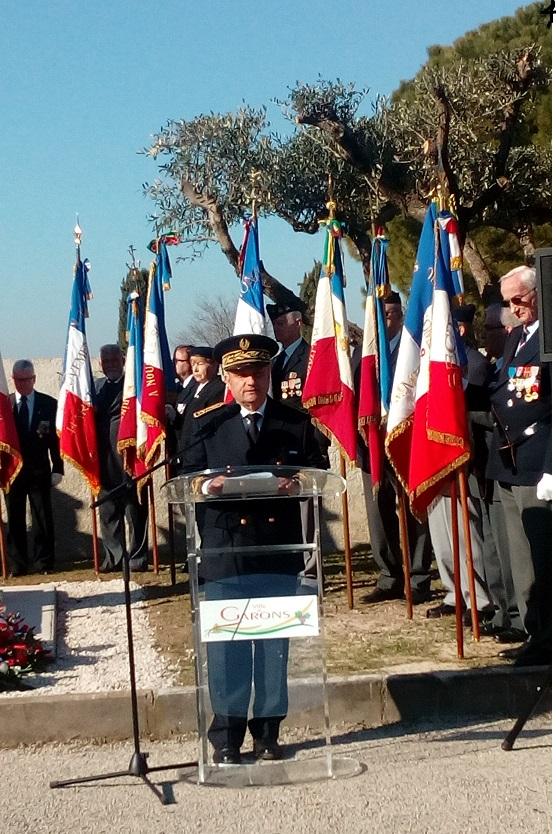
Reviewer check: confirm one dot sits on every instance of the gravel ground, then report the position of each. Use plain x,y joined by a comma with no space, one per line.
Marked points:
422,779
91,637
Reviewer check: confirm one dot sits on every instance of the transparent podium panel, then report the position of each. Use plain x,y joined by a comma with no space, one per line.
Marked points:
258,624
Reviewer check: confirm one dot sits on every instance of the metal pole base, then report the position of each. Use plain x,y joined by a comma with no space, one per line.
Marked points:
541,690
137,767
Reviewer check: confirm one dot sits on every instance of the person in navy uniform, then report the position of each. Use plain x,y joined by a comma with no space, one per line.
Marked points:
289,367
35,419
253,430
520,464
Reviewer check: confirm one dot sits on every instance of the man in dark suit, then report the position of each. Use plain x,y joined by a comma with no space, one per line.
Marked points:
124,505
252,431
520,463
289,368
289,371
35,418
384,525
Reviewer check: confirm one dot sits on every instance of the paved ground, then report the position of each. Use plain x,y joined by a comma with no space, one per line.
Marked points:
419,779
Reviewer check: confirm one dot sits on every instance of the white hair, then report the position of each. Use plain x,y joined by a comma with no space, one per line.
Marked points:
526,275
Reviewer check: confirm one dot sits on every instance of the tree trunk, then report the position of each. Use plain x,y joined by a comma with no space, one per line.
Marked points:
480,271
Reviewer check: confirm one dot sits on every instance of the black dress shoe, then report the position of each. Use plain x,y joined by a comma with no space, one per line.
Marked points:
511,654
269,751
510,635
227,756
442,610
418,597
381,595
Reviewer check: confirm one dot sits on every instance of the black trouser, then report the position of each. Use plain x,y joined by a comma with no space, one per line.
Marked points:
113,514
385,541
37,490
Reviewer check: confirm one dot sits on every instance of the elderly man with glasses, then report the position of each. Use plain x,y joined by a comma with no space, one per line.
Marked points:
35,419
520,464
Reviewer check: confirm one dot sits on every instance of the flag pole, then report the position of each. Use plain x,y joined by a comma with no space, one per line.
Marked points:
94,527
77,238
3,546
171,527
347,541
345,506
464,495
457,577
404,545
152,519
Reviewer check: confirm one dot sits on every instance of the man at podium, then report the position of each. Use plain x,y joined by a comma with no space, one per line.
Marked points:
253,430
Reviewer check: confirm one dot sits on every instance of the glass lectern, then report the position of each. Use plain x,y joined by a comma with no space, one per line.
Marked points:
258,623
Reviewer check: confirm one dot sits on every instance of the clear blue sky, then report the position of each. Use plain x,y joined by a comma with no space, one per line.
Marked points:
86,84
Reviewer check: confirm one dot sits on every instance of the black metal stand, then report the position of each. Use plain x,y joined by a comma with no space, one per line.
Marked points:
522,719
138,763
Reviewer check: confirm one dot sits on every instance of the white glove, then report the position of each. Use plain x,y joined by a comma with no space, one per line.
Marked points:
55,479
544,488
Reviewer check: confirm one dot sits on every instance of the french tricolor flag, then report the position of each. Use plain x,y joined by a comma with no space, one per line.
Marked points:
375,380
132,432
328,392
75,422
157,363
10,454
427,433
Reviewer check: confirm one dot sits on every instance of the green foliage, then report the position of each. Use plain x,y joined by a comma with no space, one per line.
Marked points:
136,280
381,155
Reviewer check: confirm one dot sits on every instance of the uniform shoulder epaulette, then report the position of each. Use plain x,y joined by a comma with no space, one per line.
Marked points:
208,409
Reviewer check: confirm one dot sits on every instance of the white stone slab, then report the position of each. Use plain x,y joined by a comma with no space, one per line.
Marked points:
37,606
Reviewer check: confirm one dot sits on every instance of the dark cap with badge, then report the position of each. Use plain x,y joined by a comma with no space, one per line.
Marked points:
204,351
276,310
465,314
237,352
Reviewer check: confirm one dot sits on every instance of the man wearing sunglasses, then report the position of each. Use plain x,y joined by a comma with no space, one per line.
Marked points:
520,464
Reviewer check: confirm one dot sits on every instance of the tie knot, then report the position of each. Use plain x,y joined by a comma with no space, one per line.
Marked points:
24,398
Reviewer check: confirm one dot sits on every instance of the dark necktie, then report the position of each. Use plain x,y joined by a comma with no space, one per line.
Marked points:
523,339
23,415
252,425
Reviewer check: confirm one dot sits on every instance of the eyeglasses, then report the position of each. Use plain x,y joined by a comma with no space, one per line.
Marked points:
521,300
23,378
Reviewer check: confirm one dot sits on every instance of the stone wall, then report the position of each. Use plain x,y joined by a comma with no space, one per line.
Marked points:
73,517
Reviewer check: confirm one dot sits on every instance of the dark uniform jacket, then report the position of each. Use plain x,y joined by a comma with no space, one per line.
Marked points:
288,380
286,437
211,393
108,406
39,445
522,413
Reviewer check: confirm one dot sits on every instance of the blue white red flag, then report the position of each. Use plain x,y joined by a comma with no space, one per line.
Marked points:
132,431
328,391
157,362
375,382
10,454
427,432
250,312
75,421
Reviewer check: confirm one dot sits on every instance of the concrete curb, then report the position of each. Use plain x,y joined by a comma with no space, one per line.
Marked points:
369,700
